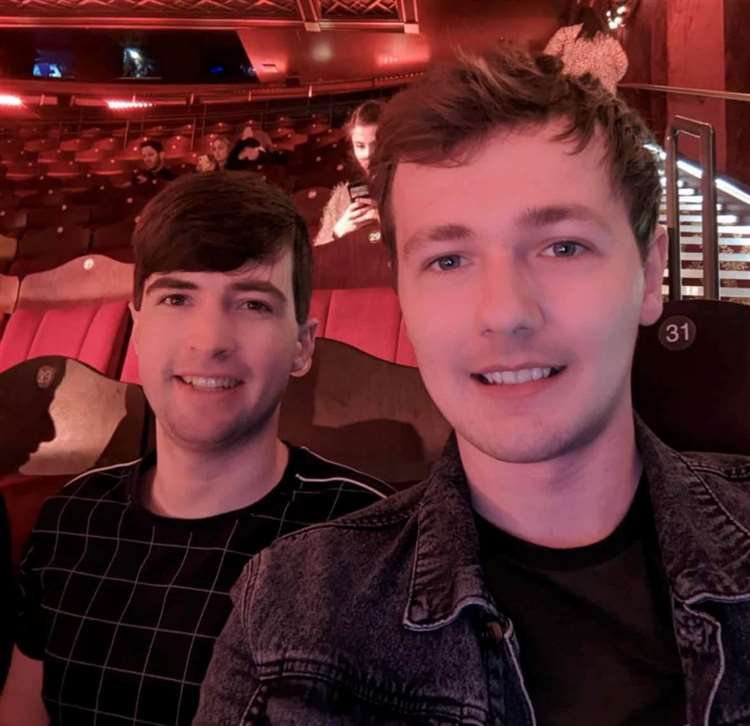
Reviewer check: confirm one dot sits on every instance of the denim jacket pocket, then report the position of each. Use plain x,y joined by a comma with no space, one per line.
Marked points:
312,693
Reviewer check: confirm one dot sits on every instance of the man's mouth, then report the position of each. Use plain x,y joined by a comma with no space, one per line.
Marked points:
210,383
517,376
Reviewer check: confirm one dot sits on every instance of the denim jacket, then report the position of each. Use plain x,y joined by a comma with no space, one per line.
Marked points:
383,617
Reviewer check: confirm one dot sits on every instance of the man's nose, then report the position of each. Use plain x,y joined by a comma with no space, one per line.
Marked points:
508,300
211,334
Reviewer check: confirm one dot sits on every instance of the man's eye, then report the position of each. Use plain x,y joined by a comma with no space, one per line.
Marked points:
173,300
565,248
257,306
446,263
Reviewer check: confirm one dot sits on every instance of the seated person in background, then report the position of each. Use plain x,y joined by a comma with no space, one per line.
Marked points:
252,131
344,213
124,586
7,594
560,565
152,152
220,148
248,153
206,162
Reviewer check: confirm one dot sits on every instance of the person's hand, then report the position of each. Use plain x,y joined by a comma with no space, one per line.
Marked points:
359,213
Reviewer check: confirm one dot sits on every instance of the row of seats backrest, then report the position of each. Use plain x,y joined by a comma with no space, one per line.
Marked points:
78,310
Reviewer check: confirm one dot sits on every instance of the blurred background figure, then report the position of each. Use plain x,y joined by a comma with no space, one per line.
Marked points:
206,162
154,168
220,148
587,46
252,131
350,206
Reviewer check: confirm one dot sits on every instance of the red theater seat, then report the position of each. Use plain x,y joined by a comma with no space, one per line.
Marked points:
75,145
113,236
368,319
64,170
8,249
23,171
310,204
8,298
357,260
43,249
78,310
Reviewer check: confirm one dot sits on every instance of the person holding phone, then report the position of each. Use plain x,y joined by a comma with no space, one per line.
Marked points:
350,206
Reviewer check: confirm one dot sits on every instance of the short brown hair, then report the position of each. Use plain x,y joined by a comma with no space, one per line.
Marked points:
444,117
218,222
366,114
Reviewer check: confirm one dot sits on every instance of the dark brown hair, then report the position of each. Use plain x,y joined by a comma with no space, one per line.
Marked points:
445,117
592,23
218,222
366,114
155,144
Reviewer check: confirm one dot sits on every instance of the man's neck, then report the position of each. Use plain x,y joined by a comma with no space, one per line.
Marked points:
570,501
188,484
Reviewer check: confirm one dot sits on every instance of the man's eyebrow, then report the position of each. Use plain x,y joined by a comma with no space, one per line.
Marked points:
176,283
170,283
553,214
437,233
258,286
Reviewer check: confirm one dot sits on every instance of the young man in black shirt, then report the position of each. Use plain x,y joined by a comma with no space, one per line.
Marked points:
154,168
124,586
560,565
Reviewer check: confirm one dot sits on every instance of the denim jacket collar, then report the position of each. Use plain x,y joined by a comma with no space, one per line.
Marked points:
703,546
447,575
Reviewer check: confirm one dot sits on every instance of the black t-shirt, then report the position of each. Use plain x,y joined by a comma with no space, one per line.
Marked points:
124,606
594,624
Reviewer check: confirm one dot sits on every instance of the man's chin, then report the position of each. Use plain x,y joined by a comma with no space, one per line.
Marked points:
214,440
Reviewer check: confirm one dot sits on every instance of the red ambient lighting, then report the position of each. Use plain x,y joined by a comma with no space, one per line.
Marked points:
114,105
8,100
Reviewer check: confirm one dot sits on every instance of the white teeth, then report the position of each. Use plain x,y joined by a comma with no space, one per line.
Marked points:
514,377
210,383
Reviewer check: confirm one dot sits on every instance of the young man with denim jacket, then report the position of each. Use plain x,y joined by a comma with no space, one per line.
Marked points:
560,565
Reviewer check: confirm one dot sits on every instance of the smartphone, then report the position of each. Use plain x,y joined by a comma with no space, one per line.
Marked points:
357,190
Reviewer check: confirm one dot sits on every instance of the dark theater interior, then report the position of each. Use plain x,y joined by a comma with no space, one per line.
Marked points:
375,362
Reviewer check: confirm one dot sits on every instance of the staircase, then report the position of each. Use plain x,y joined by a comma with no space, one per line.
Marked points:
733,221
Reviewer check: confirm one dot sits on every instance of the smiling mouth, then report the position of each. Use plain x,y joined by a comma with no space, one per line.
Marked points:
210,383
514,378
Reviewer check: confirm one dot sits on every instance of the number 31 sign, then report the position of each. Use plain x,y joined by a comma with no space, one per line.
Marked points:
677,333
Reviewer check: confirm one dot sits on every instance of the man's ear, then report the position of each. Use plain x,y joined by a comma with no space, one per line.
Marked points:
653,270
305,348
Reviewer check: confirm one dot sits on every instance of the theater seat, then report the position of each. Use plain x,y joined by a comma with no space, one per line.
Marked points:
59,418
43,249
690,376
310,204
367,318
364,412
78,310
8,299
357,260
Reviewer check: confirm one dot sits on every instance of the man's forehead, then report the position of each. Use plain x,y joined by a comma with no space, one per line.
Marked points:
522,153
251,271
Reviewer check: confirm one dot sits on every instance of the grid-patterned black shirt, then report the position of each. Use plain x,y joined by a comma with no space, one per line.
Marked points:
124,606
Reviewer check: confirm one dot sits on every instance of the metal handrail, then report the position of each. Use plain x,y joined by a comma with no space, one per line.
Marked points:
679,90
705,134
